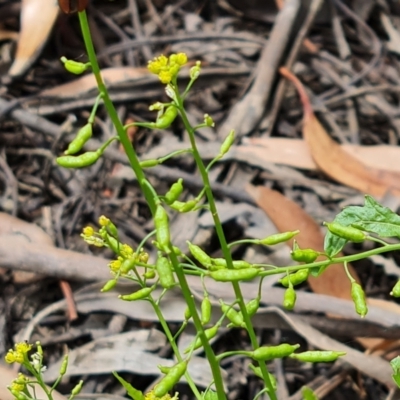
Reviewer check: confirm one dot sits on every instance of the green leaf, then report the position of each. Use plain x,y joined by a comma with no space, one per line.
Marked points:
308,393
395,363
372,217
132,392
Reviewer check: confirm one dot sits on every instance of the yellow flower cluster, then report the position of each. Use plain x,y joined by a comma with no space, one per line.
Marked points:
19,384
89,236
18,355
151,396
167,68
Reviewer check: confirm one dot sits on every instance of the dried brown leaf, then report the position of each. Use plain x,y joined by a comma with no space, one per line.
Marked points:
334,161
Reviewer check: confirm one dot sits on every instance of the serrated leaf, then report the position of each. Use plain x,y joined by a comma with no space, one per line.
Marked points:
130,390
372,217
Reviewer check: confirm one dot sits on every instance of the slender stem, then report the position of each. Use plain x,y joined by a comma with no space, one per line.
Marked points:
222,239
112,112
175,349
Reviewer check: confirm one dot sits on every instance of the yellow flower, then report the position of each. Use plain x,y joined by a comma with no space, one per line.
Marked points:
144,257
165,77
88,231
115,265
10,357
104,221
126,251
23,347
181,59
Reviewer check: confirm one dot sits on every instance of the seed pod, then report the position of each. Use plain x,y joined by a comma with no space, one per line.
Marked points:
200,255
241,264
174,192
252,306
295,279
267,353
64,366
318,356
161,222
77,389
304,255
83,135
289,299
128,265
72,6
170,380
84,160
166,119
188,206
278,238
227,143
164,270
358,296
396,290
235,317
233,275
149,163
346,232
75,67
205,310
139,295
187,314
150,274
164,369
109,285
209,333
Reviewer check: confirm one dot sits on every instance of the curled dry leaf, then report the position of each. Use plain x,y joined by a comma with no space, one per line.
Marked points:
336,162
37,20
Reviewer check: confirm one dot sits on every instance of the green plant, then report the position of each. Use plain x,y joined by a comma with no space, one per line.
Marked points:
172,264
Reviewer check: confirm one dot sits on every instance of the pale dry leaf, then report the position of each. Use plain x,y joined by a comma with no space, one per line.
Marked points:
296,153
37,20
334,161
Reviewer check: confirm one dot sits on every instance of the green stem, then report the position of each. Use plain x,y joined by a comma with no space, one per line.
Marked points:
222,239
174,347
112,112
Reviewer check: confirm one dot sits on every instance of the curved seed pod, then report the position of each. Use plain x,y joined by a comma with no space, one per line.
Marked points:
296,278
267,353
289,299
318,356
171,379
83,135
358,296
234,275
346,232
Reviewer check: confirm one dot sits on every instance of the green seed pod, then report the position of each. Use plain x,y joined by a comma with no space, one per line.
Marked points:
358,296
109,285
128,264
75,67
164,369
267,353
64,366
165,273
161,222
289,299
83,135
170,380
318,356
166,119
308,393
200,255
241,264
252,306
139,295
298,277
396,290
111,242
17,395
77,389
149,163
206,310
219,262
235,317
187,314
83,160
304,255
150,274
278,238
346,232
227,143
230,275
174,192
209,333
188,206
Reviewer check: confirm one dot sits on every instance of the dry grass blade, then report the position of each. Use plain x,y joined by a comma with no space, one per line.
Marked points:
336,162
